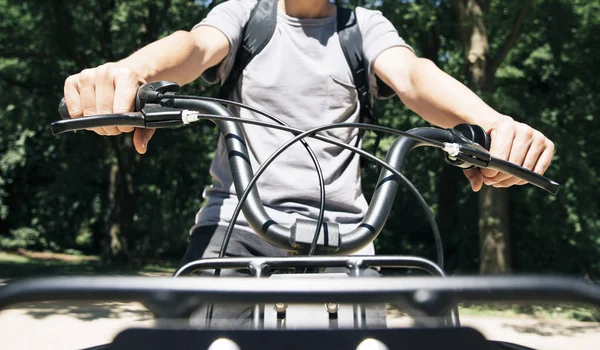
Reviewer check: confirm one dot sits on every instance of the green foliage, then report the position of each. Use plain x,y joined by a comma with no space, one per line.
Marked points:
57,187
23,237
54,190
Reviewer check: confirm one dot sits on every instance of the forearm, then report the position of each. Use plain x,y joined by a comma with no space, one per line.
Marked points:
174,58
444,101
180,57
428,91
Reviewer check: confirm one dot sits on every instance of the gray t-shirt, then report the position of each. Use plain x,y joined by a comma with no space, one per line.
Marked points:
302,77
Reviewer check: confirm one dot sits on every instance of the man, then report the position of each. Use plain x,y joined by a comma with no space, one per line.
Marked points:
302,77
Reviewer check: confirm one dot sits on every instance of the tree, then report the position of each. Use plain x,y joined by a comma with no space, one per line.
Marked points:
65,193
481,66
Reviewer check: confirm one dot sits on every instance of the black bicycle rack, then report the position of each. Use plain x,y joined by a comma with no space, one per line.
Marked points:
433,296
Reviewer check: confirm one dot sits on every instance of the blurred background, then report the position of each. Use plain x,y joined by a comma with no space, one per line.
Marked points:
91,199
80,203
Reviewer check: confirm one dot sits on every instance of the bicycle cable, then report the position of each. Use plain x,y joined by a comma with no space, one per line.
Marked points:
322,193
420,199
413,189
229,231
422,202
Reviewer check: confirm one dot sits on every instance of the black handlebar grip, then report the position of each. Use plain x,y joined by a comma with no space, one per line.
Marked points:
525,174
63,110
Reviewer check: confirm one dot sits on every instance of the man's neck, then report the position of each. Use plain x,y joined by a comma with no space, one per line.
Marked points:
307,8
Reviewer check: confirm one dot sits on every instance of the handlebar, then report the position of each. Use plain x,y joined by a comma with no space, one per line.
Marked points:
159,106
182,295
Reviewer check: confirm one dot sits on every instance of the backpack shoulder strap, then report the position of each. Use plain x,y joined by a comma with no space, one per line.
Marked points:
257,32
352,46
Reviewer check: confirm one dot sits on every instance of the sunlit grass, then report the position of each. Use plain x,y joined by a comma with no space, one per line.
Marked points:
13,258
20,266
549,311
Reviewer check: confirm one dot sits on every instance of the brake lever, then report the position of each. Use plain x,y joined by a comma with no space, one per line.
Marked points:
135,119
525,174
152,116
473,155
469,147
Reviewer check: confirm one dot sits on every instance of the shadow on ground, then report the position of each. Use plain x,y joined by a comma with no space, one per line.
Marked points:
85,311
14,267
12,270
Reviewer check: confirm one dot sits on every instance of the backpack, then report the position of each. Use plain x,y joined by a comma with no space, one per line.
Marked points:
260,28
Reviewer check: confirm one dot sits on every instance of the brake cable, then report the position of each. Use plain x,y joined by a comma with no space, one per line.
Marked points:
412,188
422,202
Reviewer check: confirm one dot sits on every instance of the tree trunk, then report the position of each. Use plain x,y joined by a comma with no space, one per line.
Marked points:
121,190
448,179
481,69
121,185
121,197
494,235
120,201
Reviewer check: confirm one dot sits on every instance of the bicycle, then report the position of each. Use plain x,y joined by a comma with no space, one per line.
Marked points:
343,298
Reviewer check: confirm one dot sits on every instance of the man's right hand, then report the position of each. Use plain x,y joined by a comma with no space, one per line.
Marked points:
111,88
106,89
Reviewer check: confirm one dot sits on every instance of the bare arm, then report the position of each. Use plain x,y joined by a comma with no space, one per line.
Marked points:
110,88
180,57
445,102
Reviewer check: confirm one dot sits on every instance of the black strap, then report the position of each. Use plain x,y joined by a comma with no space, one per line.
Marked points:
351,42
257,34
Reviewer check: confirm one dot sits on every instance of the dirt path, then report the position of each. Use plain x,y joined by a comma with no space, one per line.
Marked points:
531,332
52,325
539,334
